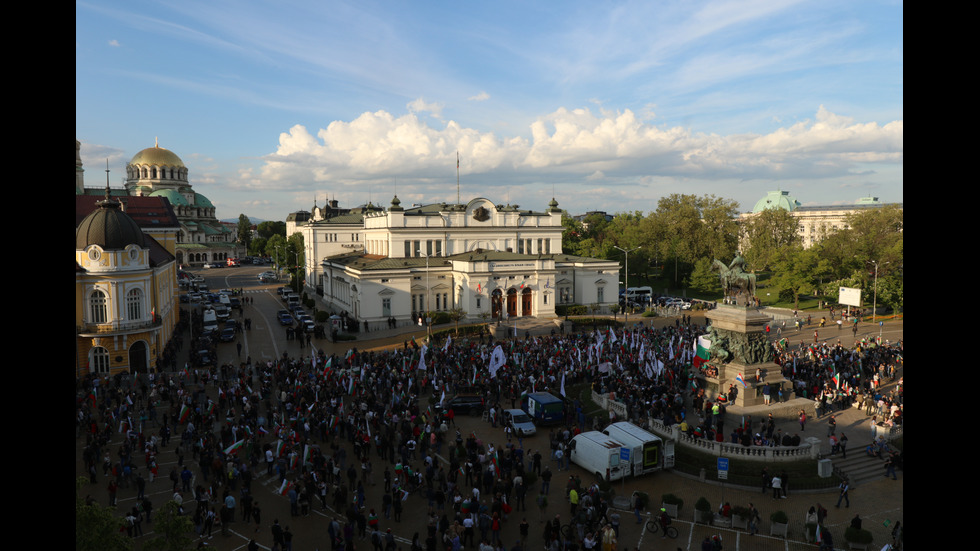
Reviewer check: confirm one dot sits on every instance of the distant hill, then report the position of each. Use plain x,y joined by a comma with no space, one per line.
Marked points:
254,221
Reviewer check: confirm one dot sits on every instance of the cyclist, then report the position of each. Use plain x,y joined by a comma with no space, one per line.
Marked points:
664,521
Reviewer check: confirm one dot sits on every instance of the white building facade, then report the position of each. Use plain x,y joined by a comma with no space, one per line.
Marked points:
485,259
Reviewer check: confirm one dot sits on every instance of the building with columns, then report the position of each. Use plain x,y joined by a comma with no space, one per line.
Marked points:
482,258
815,222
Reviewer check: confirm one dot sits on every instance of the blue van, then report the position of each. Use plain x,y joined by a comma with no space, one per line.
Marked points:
545,408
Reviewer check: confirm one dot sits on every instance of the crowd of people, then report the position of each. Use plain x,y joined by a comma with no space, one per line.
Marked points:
331,427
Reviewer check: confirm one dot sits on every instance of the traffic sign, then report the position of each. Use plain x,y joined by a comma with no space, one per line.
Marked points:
624,454
723,468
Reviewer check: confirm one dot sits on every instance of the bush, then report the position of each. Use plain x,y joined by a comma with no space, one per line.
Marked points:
702,504
649,314
339,337
671,499
779,517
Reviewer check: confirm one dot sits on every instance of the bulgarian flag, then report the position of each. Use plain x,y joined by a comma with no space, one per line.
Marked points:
836,380
284,489
234,447
701,347
184,413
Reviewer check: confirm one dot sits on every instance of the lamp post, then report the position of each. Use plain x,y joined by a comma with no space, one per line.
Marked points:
626,283
428,318
874,303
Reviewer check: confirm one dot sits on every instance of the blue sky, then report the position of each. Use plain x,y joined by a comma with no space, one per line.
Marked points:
604,105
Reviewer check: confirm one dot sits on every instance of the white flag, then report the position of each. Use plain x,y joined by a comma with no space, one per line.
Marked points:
563,384
497,360
422,357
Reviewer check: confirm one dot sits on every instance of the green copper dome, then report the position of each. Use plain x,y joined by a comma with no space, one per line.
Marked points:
176,199
776,200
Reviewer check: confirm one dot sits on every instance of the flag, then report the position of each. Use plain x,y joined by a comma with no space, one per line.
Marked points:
184,413
497,361
739,379
234,447
422,357
563,384
449,341
701,346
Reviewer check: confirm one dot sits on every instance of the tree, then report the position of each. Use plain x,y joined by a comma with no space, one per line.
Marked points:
765,234
268,229
457,314
257,246
244,231
172,531
703,278
797,271
97,528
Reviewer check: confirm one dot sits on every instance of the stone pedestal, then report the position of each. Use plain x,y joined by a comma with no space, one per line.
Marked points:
745,329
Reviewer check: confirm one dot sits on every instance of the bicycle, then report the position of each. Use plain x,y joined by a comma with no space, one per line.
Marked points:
653,526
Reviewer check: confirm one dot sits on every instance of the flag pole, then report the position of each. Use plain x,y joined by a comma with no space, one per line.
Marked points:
457,176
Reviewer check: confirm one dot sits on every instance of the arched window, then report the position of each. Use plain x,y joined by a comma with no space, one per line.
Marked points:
134,304
100,361
98,307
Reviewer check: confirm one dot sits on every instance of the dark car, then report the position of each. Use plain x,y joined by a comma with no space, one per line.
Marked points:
235,302
227,334
466,403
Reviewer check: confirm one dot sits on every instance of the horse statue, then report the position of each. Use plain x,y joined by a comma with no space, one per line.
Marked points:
735,280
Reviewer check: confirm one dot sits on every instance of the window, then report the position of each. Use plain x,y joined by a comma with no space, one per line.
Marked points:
98,311
540,246
438,307
134,305
408,249
438,248
428,248
477,303
445,301
520,246
416,248
100,361
386,307
600,293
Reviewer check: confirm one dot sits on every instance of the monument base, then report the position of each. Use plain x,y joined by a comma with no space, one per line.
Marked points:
746,326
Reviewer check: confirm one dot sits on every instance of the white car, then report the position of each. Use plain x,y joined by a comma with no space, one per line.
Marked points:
520,422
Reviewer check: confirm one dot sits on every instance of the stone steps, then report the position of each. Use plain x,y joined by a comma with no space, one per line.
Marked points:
859,467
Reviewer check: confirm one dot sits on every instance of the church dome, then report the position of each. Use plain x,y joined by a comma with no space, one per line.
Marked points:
202,201
110,228
157,156
175,198
776,200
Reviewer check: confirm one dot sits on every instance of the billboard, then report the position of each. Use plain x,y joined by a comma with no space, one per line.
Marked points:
849,296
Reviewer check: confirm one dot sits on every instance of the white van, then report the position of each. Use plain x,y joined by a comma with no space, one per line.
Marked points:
646,448
210,320
599,454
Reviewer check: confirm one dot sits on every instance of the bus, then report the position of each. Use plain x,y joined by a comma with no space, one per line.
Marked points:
641,295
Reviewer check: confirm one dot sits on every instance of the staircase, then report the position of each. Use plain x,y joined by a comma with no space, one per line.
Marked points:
859,467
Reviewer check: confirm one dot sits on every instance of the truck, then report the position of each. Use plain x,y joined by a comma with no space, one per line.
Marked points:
600,454
544,408
646,448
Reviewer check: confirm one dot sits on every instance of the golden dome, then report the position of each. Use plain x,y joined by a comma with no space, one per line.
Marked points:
157,156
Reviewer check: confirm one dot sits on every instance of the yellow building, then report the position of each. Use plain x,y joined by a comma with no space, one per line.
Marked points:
126,294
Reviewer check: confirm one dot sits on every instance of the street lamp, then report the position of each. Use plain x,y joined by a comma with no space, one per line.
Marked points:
626,283
874,303
428,318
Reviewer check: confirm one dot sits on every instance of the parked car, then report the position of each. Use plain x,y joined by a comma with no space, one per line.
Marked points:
519,422
466,403
285,318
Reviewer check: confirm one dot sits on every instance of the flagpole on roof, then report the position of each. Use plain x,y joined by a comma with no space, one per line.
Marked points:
457,177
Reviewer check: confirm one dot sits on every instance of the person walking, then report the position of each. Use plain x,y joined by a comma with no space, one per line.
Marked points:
802,420
845,488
